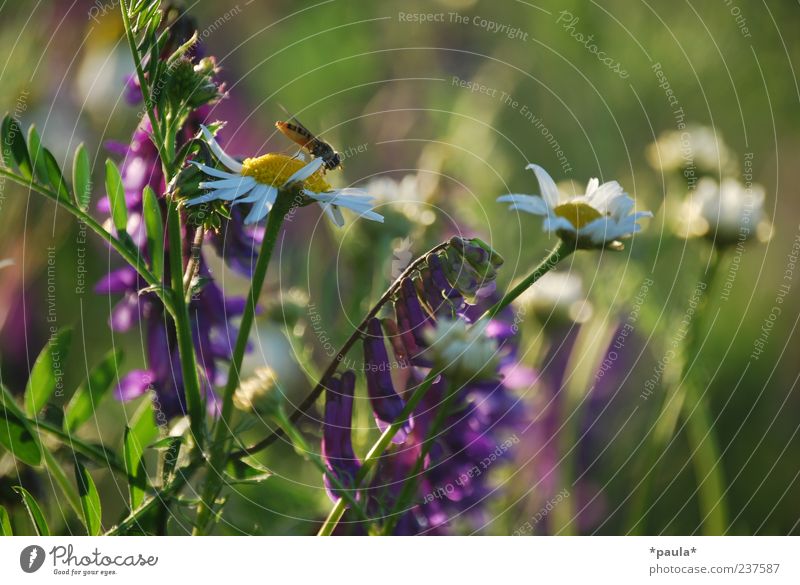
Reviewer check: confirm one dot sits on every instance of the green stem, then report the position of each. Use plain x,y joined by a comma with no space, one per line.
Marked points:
377,450
191,380
102,457
410,486
561,251
222,431
181,478
134,259
304,450
147,95
341,354
683,400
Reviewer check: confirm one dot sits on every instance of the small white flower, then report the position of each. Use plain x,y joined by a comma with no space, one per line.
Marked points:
259,180
696,146
463,352
558,295
724,212
599,217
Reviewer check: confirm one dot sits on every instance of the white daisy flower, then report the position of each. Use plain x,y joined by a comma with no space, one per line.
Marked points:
594,220
463,352
259,181
725,213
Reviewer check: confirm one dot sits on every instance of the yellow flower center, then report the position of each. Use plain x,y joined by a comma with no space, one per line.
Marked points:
578,214
275,169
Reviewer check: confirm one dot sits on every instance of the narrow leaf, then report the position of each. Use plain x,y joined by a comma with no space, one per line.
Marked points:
61,479
82,177
90,500
241,471
34,511
19,438
47,372
135,468
12,142
37,156
91,392
116,197
155,231
54,176
5,523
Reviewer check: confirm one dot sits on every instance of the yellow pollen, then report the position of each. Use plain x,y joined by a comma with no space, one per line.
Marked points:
275,169
578,214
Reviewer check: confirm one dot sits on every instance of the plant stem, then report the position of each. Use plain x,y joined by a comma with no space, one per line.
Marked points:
222,431
103,458
135,260
302,448
339,358
561,251
191,380
376,452
683,400
181,478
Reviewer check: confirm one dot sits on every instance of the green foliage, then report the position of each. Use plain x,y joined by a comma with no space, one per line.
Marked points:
5,523
34,511
93,389
154,227
12,144
47,371
90,500
116,197
19,438
82,178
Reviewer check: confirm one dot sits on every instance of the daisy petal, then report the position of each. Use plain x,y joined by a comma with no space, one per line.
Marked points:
211,171
229,183
530,203
223,156
546,184
306,171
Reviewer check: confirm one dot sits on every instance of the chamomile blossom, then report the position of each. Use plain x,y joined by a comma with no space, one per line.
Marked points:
725,213
596,219
259,181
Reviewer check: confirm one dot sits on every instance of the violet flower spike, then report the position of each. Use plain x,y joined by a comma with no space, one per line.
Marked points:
337,444
386,403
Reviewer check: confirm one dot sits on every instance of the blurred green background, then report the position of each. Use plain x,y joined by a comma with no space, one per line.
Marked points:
388,93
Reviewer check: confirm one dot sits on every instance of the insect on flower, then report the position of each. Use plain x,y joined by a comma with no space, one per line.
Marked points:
299,134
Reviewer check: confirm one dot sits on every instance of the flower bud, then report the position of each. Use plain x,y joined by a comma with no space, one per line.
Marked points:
259,393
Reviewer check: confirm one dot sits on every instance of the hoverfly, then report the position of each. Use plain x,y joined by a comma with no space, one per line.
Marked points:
299,134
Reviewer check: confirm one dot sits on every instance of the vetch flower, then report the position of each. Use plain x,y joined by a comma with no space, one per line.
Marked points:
386,403
337,445
725,213
258,181
597,219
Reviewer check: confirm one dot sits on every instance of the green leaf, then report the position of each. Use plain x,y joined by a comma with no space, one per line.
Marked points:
5,523
34,511
141,432
37,156
12,143
241,471
61,479
19,438
54,176
92,391
43,379
116,197
137,479
155,231
90,500
82,177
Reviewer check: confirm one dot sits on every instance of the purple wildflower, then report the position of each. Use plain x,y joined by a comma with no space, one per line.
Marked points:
386,404
337,446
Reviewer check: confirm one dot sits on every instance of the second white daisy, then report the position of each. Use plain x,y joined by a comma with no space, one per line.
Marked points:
599,218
